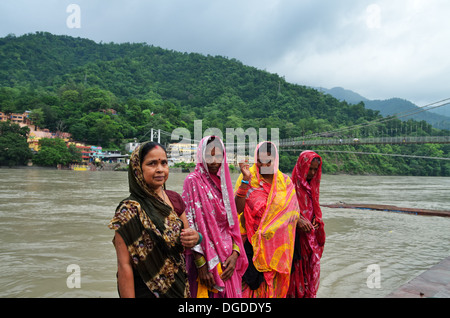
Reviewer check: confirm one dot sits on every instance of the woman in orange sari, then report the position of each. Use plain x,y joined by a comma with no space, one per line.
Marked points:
310,239
269,211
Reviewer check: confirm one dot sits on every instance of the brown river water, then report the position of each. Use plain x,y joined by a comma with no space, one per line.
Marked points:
55,241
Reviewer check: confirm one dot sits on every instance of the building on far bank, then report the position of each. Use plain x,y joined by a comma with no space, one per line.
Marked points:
3,116
16,118
89,154
180,152
86,152
37,134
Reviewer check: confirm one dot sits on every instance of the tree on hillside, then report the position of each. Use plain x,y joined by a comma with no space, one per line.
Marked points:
14,148
37,117
54,151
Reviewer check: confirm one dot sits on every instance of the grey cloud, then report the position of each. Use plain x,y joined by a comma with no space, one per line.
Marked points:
318,43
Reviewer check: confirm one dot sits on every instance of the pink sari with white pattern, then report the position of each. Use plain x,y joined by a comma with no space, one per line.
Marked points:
210,209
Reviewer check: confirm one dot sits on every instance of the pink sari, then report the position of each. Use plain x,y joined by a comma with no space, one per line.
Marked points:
305,277
210,209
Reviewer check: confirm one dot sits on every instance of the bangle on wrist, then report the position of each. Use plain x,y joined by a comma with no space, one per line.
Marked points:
242,193
200,238
236,248
199,262
245,181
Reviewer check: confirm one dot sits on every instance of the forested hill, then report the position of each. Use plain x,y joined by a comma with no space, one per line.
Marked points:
222,91
67,82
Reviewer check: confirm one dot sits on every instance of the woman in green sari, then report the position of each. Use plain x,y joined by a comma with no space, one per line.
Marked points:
151,230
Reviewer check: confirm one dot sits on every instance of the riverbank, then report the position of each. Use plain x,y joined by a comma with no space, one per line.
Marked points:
28,167
189,170
433,283
75,167
107,167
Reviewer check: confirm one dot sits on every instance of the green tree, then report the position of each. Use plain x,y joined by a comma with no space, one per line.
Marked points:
54,151
14,148
37,117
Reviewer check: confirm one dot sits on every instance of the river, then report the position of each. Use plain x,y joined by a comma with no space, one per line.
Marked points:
51,220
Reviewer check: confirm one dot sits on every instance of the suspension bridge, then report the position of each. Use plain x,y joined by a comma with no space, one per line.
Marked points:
292,142
392,135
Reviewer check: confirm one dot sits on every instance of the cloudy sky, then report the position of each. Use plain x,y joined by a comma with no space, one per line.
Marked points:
379,49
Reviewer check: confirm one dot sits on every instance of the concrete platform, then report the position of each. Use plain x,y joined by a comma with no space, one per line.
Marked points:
434,283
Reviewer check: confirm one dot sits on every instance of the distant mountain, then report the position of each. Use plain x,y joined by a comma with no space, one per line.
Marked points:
404,109
444,111
344,95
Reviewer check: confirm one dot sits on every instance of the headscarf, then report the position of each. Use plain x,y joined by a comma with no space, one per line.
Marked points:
211,210
151,230
308,193
268,213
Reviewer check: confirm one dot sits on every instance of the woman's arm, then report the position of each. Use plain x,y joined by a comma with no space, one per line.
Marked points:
189,236
239,199
204,275
124,268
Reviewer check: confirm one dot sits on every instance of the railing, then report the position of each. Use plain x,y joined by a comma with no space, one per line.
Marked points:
366,141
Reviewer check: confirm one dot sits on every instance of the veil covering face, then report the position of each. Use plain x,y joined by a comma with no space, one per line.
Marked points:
211,210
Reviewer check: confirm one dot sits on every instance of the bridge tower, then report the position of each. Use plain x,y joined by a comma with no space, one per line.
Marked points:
155,134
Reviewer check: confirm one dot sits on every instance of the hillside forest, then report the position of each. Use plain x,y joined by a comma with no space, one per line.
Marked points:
107,94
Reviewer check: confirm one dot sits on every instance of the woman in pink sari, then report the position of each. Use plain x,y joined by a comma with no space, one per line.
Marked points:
310,239
215,266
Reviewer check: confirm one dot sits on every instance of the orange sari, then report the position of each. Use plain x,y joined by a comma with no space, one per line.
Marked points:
270,214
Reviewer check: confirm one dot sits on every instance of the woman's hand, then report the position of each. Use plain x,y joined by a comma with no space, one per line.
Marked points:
206,277
315,224
245,170
304,225
228,266
189,237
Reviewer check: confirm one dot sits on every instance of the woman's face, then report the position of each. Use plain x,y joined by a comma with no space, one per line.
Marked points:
214,158
155,167
312,170
265,163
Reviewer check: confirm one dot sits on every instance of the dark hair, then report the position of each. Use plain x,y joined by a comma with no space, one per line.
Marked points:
216,143
267,147
211,139
146,148
316,159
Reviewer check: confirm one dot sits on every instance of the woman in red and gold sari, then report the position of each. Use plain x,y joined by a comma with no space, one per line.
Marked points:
310,239
269,211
